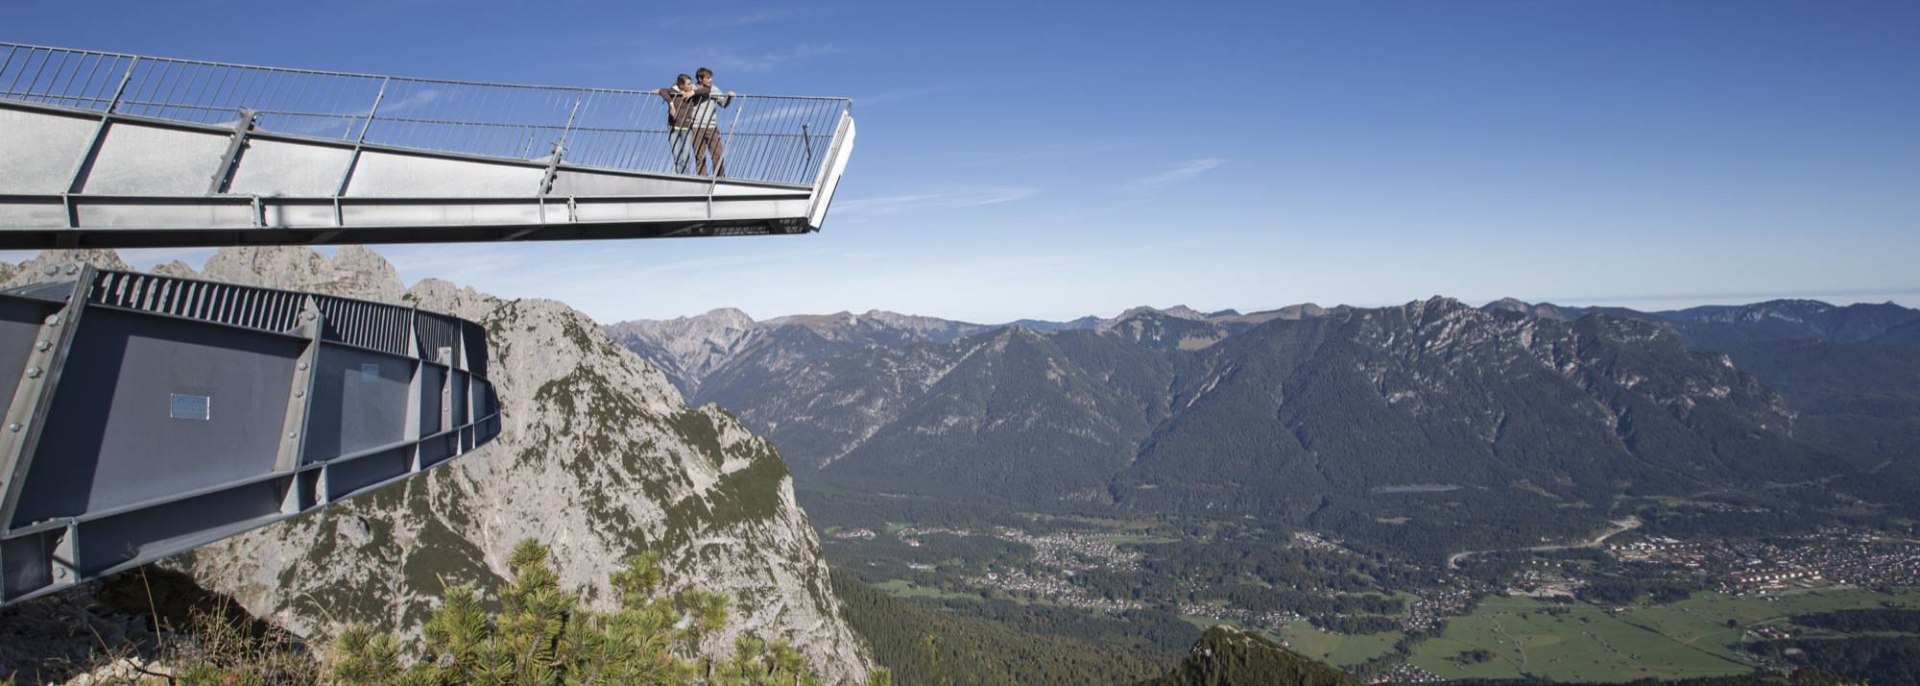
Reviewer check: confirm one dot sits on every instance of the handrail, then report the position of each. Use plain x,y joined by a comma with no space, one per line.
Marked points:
769,137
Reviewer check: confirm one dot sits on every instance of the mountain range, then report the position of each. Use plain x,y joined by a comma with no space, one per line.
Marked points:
1305,413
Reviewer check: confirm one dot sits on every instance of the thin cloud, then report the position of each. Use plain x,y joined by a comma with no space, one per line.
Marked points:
1054,152
712,264
413,101
883,98
725,59
708,21
778,113
1179,172
1741,297
940,200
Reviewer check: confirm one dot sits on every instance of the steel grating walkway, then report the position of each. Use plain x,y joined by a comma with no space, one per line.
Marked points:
111,150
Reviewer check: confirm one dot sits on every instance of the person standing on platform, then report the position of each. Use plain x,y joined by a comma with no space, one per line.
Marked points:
706,102
680,121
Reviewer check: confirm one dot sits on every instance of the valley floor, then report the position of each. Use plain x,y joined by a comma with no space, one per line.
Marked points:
1620,605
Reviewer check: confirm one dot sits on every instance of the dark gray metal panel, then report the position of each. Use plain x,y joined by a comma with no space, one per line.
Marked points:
359,402
456,398
109,439
114,541
352,476
475,339
23,566
175,416
433,381
434,451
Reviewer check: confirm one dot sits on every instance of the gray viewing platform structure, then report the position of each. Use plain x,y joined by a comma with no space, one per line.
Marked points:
153,414
108,150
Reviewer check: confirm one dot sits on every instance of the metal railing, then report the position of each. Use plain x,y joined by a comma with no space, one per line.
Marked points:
770,138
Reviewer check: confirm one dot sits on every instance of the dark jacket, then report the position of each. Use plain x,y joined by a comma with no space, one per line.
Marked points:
679,109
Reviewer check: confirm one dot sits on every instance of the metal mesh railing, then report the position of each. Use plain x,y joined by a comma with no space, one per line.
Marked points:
780,139
244,306
365,324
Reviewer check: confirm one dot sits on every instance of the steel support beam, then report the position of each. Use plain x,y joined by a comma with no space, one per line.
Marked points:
33,392
187,411
224,174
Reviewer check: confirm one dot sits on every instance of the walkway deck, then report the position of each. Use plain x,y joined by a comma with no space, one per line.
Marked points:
112,150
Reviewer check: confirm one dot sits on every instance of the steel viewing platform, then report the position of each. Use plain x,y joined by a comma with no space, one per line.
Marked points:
153,415
103,149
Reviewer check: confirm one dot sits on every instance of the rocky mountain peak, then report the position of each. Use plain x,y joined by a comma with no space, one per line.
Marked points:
353,271
1184,312
48,266
1541,310
1438,310
1509,305
1181,312
729,317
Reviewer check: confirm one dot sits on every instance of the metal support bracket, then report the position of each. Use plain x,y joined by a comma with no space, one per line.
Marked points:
301,492
66,555
359,142
300,395
560,147
77,182
223,175
553,168
20,433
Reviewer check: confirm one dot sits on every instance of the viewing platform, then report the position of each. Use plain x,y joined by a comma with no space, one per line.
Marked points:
108,150
153,414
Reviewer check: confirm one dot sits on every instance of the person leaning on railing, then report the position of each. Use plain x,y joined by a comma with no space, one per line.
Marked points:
706,122
679,99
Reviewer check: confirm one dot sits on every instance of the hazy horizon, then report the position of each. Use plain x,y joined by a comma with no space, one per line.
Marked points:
148,258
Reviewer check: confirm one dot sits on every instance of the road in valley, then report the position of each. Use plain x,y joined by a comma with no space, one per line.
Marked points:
1619,526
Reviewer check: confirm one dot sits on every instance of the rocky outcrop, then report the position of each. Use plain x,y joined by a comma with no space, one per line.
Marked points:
599,457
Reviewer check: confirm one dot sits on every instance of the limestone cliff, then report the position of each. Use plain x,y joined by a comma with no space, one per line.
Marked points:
598,456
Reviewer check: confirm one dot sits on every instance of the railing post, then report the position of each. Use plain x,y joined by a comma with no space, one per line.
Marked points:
121,89
560,146
353,160
223,175
720,160
77,181
806,139
368,122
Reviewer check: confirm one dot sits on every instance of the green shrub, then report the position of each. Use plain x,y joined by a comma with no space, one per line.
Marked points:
543,636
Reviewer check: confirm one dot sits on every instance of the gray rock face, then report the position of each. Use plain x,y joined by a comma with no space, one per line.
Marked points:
692,350
599,457
688,349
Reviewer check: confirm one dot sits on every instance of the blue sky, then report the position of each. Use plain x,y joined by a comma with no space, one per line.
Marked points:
1060,159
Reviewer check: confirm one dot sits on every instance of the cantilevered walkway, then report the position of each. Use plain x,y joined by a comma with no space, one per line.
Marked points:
150,415
112,150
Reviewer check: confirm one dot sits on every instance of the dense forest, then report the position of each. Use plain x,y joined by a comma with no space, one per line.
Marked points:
1905,620
1227,657
1871,659
926,646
